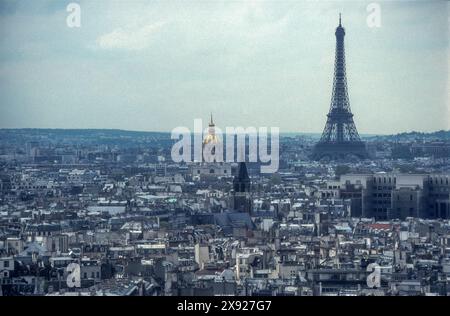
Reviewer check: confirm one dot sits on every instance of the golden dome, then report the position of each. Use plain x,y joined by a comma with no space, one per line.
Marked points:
211,138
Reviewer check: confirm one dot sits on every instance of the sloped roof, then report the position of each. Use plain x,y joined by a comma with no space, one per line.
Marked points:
234,219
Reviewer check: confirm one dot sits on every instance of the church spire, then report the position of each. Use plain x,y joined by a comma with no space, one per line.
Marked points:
241,185
211,137
241,181
340,19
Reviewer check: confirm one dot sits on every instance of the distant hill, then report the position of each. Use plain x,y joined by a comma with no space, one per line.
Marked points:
81,132
114,133
438,135
117,137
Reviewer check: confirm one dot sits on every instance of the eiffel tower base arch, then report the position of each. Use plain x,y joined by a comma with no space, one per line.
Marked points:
339,151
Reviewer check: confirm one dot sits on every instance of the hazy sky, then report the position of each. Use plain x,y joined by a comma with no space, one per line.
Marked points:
155,65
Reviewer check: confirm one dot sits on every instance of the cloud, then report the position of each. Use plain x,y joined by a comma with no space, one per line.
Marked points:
131,38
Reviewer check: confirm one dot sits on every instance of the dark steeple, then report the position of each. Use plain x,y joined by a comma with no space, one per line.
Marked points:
241,182
242,201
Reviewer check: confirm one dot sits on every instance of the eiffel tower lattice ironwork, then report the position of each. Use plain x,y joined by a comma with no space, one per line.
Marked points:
340,137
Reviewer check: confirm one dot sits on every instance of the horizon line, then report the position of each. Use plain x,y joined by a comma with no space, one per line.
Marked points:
168,132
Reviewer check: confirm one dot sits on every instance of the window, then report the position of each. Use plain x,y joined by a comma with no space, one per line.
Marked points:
6,264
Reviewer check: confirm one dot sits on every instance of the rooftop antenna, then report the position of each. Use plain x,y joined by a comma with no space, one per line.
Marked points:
340,16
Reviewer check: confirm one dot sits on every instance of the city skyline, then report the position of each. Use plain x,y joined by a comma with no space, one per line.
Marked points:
224,155
152,67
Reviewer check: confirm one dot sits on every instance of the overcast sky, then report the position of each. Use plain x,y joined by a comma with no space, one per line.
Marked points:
155,65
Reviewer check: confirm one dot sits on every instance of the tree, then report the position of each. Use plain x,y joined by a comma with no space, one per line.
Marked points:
341,169
275,179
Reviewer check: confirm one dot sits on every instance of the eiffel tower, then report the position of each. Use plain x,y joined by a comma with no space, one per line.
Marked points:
340,139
